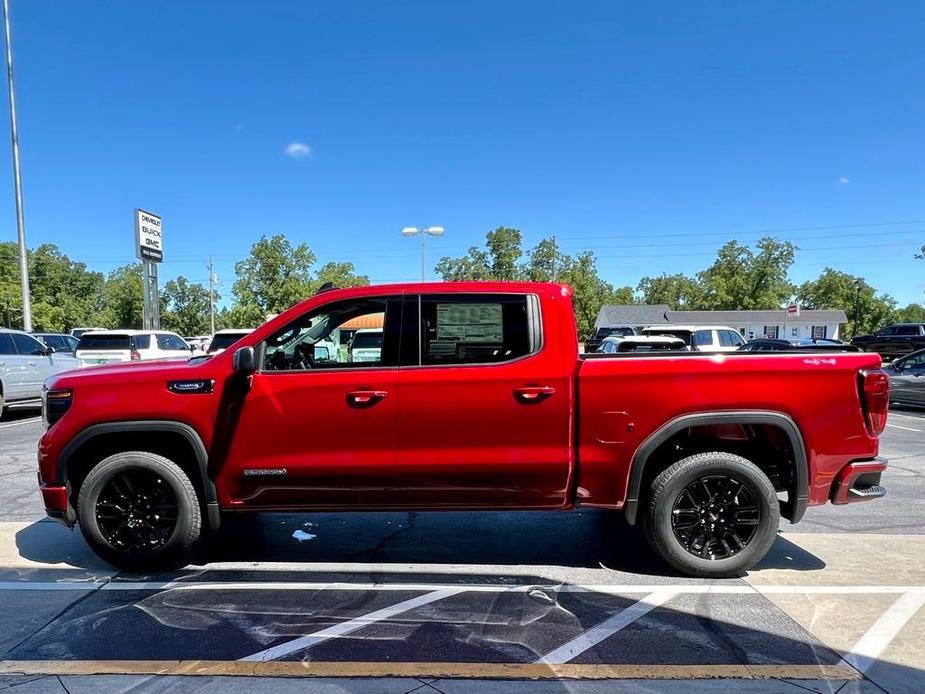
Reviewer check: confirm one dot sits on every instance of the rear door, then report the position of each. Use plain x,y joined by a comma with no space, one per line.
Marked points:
908,383
12,369
485,405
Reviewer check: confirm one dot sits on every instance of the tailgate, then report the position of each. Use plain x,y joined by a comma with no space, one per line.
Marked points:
91,357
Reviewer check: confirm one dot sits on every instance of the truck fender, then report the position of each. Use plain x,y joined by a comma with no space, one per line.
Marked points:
147,426
666,431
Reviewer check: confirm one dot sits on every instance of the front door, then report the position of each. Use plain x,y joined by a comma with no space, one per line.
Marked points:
908,383
318,428
35,361
484,414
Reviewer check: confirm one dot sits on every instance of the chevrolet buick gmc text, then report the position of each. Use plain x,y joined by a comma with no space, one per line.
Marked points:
477,399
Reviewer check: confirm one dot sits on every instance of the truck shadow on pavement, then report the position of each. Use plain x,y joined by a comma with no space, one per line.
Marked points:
587,539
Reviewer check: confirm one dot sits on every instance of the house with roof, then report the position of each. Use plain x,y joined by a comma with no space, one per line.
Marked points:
750,324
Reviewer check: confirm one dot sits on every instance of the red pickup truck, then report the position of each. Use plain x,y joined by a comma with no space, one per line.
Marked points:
477,399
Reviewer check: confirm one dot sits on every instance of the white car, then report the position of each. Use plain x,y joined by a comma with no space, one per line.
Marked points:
25,363
366,345
641,343
112,346
223,339
701,338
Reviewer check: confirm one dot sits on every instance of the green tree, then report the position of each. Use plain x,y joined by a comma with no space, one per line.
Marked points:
123,298
739,278
590,292
545,262
834,289
504,248
274,277
679,292
474,266
340,275
911,313
186,307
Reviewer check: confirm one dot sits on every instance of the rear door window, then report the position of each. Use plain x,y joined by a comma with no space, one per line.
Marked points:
468,329
730,338
141,341
703,338
171,343
906,330
6,344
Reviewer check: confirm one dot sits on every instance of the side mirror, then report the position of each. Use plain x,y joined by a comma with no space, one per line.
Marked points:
243,361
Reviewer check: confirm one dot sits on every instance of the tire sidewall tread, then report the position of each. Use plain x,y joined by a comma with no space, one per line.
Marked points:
671,481
189,516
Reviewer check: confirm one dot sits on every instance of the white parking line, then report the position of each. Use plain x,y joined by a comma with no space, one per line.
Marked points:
607,628
896,426
876,639
613,589
907,416
9,425
347,627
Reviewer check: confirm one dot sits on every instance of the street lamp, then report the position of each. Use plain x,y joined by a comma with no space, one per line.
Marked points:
423,232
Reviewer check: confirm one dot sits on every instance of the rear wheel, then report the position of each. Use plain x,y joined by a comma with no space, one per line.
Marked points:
712,515
138,511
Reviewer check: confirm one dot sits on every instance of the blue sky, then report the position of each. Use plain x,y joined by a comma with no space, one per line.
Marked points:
647,132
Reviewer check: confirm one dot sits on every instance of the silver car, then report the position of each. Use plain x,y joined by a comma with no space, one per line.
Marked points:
907,378
25,363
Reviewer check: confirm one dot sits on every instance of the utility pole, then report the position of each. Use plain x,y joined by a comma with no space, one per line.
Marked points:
211,297
17,178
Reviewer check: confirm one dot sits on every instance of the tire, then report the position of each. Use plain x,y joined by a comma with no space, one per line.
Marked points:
165,519
694,528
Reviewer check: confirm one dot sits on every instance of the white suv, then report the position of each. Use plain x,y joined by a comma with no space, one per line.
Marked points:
701,338
25,363
111,346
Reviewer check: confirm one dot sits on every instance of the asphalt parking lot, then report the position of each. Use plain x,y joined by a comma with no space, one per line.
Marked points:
454,602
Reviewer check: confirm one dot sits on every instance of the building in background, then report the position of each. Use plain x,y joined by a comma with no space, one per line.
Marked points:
750,324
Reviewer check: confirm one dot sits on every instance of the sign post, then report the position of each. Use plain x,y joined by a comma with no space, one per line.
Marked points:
149,247
793,309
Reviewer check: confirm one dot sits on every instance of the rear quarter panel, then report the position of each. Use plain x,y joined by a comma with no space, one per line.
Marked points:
622,401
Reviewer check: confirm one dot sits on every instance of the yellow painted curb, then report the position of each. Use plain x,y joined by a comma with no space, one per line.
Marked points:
277,668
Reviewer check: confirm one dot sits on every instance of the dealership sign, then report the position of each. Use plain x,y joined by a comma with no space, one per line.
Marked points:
793,310
149,237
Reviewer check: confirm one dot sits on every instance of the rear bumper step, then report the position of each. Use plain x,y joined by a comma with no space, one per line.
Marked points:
859,481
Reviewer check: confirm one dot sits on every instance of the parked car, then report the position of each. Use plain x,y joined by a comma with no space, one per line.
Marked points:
641,343
496,410
25,363
78,332
769,344
701,338
60,342
223,339
366,345
594,342
907,378
108,346
893,341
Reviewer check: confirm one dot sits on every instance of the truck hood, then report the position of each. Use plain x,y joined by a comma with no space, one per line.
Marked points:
130,371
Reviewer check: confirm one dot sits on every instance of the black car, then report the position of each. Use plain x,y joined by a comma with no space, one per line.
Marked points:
60,342
767,344
594,342
893,341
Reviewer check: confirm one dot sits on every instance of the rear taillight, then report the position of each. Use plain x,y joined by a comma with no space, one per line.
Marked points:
874,388
55,403
135,356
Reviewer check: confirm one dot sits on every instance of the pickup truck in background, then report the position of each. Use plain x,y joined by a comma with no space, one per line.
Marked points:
893,341
478,399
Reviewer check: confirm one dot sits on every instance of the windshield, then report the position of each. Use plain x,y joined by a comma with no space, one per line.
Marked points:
224,341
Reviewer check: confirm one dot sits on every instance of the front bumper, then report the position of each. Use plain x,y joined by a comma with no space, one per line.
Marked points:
859,481
57,505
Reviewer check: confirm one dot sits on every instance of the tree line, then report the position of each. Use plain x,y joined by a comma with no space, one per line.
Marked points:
278,273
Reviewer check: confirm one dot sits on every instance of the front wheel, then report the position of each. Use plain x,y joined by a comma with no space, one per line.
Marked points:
139,511
712,515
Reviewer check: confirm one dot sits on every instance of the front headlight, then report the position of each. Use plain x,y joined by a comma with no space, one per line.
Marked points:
55,402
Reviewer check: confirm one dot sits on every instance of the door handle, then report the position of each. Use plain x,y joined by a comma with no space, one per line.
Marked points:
531,394
31,363
365,398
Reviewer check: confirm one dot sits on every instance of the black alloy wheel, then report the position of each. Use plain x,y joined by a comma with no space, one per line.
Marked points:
715,517
136,511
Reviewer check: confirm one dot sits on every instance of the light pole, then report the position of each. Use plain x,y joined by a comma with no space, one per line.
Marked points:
423,232
17,178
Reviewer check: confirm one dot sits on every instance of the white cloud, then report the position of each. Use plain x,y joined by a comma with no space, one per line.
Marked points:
844,180
298,150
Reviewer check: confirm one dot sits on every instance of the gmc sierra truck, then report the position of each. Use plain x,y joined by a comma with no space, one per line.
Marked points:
477,399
